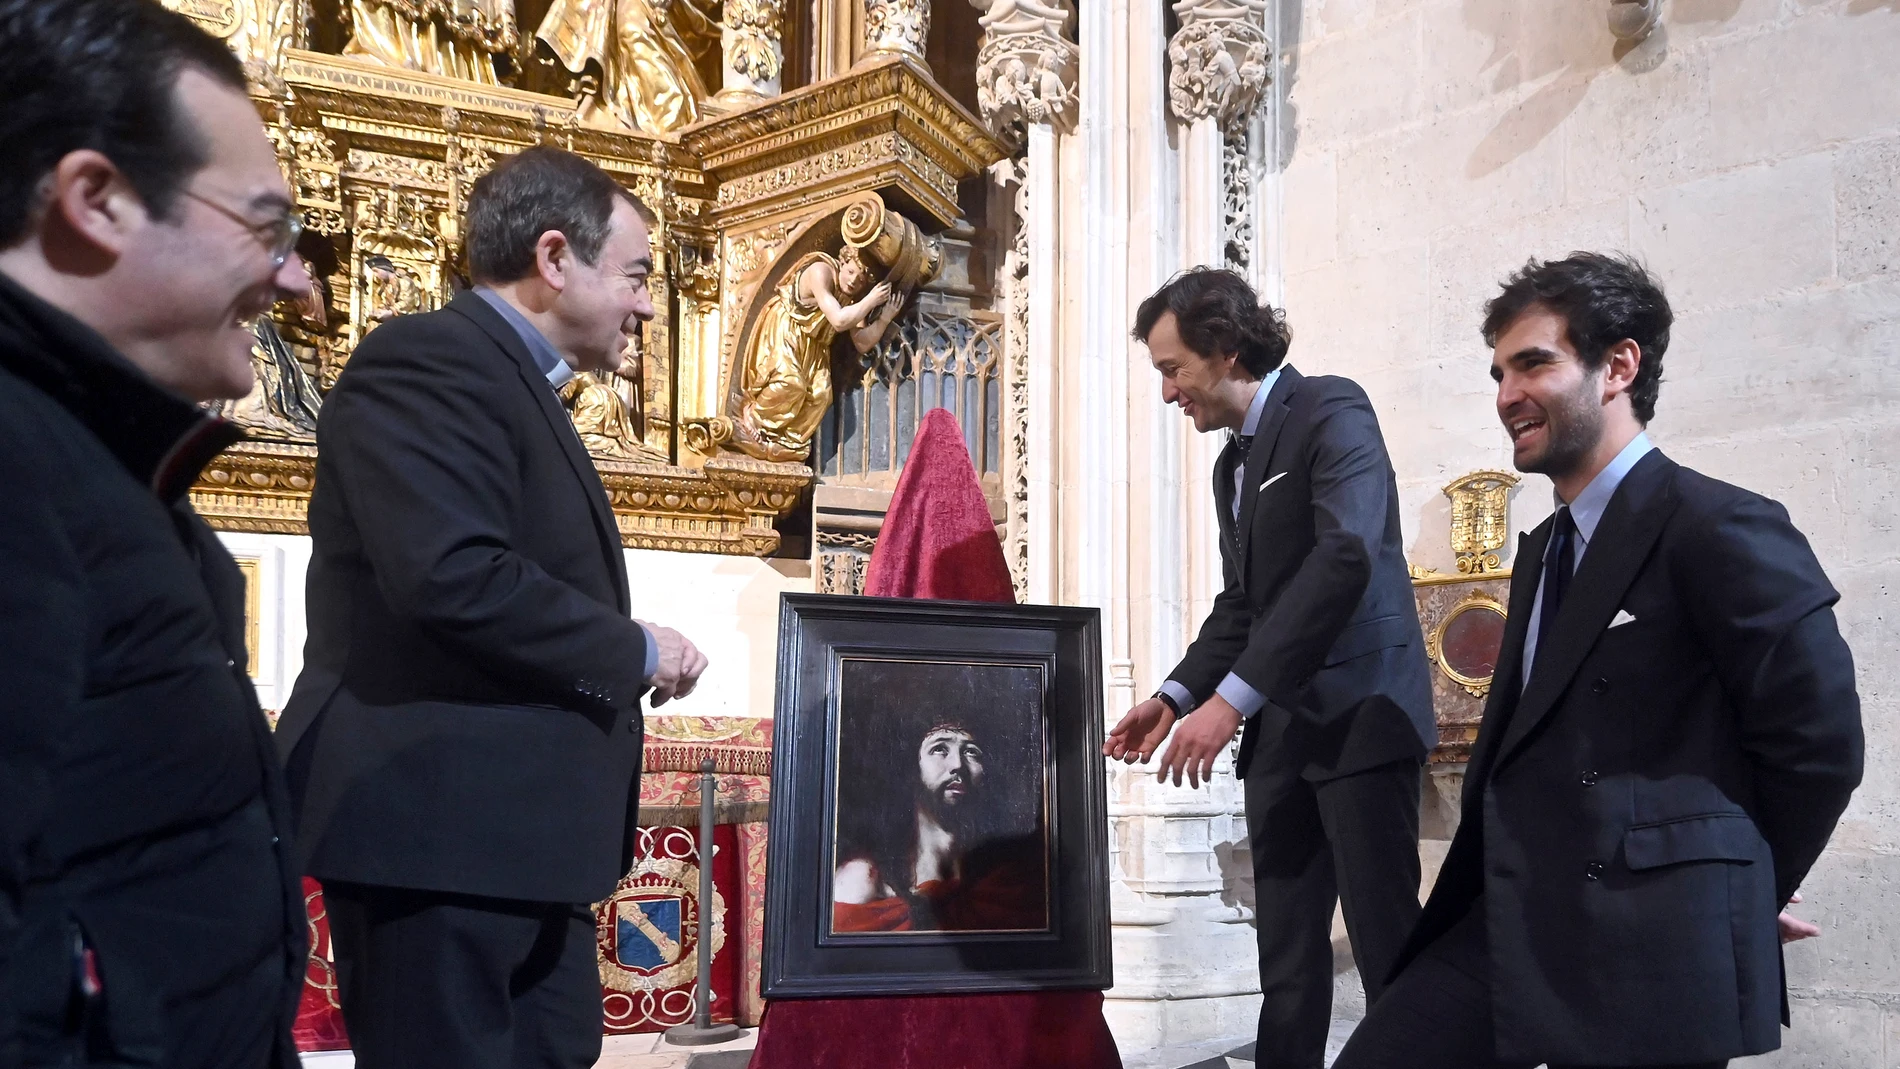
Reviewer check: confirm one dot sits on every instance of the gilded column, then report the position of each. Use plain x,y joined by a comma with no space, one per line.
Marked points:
896,26
751,37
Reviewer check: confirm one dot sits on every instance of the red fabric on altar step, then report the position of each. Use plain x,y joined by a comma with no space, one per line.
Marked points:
938,542
1032,1030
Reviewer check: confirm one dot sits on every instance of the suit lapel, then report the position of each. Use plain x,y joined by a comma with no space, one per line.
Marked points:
1260,457
1506,680
1630,526
477,310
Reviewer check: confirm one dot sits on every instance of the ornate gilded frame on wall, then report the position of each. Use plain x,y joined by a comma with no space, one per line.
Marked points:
380,161
1440,653
1480,527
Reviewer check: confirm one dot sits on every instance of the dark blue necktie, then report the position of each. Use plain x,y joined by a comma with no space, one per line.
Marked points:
1242,443
1558,564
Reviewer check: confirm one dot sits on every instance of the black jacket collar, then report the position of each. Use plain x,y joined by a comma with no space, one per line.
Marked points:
163,440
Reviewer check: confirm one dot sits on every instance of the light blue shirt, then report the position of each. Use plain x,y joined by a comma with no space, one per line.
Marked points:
546,357
1586,512
555,367
1238,692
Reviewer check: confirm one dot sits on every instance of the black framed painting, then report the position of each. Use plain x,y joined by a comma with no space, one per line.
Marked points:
938,821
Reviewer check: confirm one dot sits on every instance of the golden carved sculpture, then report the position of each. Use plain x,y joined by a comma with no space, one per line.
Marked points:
1480,519
380,147
648,80
784,386
455,38
283,402
257,30
603,417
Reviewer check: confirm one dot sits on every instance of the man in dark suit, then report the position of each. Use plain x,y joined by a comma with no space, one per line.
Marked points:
1313,644
464,744
150,913
1671,735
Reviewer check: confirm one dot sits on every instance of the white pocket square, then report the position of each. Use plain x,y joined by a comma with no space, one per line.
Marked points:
1622,617
1273,480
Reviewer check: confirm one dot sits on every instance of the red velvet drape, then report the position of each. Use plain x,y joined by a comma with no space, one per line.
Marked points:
938,542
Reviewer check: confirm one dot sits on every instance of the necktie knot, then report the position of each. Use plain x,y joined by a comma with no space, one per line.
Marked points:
1242,444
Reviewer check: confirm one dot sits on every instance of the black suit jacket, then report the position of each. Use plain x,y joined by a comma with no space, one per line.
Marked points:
1635,818
468,717
1317,611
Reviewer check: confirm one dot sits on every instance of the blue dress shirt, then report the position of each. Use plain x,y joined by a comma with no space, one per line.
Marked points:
1586,512
558,372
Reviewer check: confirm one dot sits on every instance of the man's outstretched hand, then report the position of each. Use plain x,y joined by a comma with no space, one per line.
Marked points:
680,665
1139,732
1204,733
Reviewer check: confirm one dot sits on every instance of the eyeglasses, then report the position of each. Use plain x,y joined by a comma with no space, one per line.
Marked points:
279,236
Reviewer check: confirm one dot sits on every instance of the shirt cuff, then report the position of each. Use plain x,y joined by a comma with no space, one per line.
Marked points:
1241,695
653,655
1183,700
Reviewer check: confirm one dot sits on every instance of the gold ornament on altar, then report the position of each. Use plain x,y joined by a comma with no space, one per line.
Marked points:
784,386
384,112
603,417
1480,519
454,38
648,78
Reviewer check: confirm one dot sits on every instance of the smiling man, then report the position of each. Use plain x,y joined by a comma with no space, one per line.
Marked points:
1672,732
149,913
1313,644
464,741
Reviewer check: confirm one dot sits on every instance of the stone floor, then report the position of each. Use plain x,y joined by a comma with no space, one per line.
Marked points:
653,1052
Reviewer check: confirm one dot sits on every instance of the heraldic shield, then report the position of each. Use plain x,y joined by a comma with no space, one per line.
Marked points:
648,932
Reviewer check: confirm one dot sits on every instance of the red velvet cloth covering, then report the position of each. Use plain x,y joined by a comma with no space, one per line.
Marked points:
938,542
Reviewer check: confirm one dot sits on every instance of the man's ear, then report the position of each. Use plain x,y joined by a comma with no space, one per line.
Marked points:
553,259
1620,365
90,206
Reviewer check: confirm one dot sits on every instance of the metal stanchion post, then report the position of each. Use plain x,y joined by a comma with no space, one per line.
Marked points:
703,1030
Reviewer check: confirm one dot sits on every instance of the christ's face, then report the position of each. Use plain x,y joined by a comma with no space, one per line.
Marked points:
950,768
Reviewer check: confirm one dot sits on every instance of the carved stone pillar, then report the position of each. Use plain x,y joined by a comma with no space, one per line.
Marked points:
1026,90
896,26
1219,67
751,37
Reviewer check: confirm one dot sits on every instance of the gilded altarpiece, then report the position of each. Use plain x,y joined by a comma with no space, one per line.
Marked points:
381,158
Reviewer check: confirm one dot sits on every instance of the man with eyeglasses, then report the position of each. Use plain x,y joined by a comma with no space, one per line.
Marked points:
148,910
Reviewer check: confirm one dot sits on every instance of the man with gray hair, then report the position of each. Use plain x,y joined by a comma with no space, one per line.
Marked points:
464,741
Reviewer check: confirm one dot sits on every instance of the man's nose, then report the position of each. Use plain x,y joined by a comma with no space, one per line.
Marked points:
292,279
1168,392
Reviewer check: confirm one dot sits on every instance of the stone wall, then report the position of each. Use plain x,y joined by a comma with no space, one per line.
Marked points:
1749,152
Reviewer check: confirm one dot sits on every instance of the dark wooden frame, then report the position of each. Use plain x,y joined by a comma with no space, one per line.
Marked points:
802,959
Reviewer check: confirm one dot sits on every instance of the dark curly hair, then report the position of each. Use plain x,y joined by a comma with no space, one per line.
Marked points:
1217,314
1604,299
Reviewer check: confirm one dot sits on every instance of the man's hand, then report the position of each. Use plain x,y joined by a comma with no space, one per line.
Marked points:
1204,733
1139,732
1793,928
680,665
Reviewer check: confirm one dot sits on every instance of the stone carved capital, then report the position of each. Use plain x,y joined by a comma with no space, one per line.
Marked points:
1219,60
899,26
1026,69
